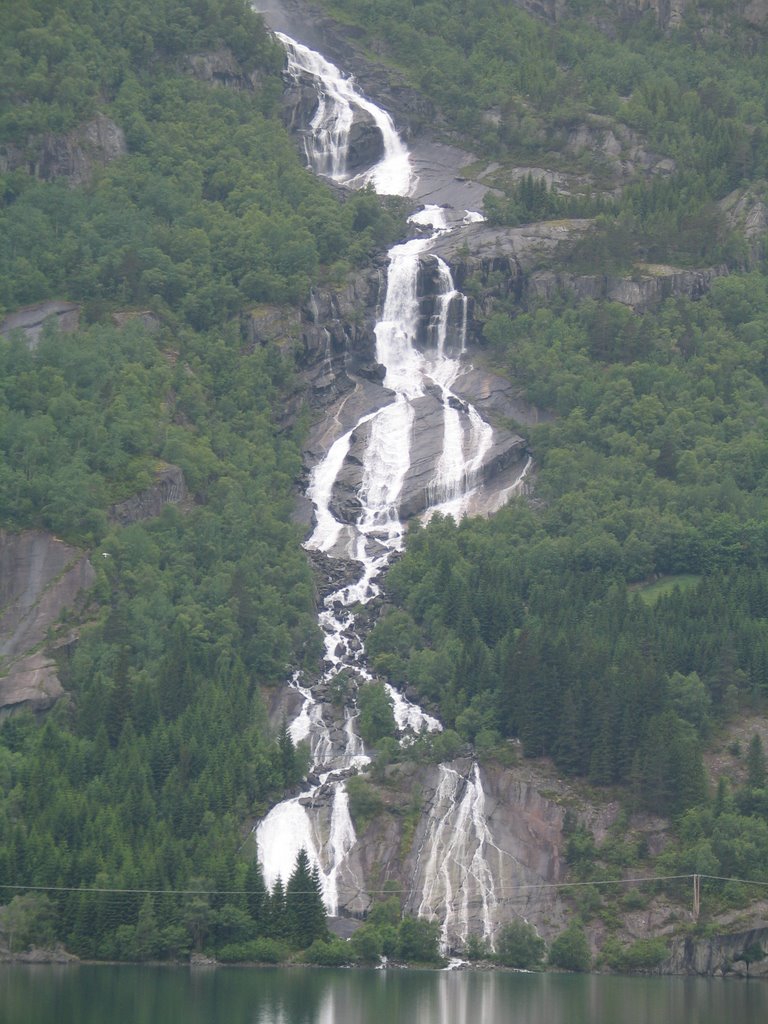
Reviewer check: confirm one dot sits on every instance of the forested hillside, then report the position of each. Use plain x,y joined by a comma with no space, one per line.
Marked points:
145,775
540,623
614,620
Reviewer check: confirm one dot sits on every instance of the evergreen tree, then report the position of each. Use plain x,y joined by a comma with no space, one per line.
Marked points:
304,908
277,924
755,763
257,897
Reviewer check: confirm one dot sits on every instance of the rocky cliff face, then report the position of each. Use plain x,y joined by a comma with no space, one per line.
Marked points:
499,263
220,67
719,955
650,285
40,577
32,319
333,340
668,14
168,488
72,156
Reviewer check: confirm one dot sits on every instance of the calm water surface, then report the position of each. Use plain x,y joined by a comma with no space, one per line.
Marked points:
156,995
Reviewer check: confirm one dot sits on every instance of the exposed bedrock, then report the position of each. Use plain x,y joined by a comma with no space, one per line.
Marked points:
428,433
40,576
72,155
718,955
167,488
484,842
365,145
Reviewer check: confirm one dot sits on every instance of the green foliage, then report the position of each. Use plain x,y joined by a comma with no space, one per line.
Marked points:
756,776
28,920
333,953
377,719
570,950
522,90
641,956
304,911
211,209
258,951
364,802
477,948
518,945
419,940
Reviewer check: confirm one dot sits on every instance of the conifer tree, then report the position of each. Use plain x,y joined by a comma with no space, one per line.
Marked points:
305,912
276,916
755,763
257,896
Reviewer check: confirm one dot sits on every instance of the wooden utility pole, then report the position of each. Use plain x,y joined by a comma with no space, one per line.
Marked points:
696,896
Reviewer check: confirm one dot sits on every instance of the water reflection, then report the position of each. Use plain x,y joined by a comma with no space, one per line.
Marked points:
146,995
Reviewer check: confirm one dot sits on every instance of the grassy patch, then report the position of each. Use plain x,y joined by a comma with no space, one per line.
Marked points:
651,592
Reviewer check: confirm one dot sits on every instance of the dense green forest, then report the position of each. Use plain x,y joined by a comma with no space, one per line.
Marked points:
145,775
212,208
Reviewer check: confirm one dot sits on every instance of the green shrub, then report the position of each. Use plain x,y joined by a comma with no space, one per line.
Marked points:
259,951
570,950
518,945
335,953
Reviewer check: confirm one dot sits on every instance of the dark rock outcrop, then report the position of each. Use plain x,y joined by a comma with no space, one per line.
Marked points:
220,67
497,262
746,211
650,285
718,954
619,147
168,488
365,145
72,155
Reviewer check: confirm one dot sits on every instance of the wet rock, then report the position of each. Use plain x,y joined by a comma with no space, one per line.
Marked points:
32,319
495,396
366,145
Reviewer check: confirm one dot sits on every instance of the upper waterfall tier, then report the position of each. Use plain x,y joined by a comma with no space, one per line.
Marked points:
345,127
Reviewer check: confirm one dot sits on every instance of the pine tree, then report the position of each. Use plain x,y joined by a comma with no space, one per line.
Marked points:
277,925
305,912
257,896
755,763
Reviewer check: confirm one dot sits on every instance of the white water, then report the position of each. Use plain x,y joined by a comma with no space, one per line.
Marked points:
456,881
454,878
327,143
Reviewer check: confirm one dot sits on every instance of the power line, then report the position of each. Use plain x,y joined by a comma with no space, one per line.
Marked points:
373,892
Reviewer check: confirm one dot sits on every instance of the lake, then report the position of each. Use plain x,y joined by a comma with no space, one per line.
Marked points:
127,994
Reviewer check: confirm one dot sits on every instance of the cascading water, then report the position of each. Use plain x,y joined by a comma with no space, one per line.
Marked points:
319,819
458,861
327,141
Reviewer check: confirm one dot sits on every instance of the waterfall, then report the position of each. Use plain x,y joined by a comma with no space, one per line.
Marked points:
453,878
327,142
454,881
